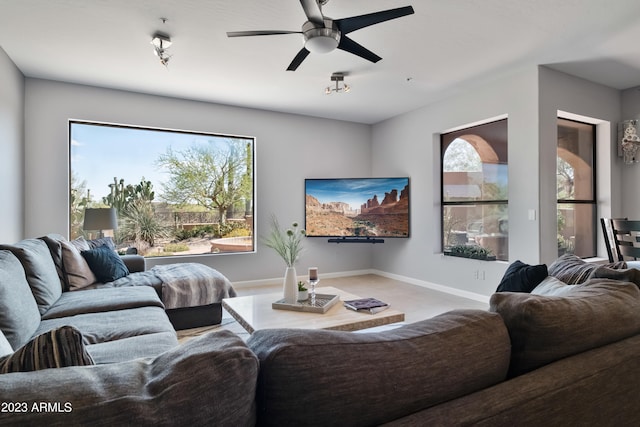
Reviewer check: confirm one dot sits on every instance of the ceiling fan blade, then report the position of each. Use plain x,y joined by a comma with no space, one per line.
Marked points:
347,25
313,11
350,46
259,33
298,59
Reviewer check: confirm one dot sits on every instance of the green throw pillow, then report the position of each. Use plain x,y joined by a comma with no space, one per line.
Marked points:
105,264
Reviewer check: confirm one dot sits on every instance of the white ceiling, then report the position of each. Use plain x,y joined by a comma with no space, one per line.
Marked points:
441,49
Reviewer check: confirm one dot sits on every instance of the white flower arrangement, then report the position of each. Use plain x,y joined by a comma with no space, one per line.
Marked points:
287,243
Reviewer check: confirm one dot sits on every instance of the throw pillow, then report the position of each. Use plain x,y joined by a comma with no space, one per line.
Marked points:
552,286
102,241
53,349
40,271
625,275
105,264
545,328
572,269
77,271
521,277
19,315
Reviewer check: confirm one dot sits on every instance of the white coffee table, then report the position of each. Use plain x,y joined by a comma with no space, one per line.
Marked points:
254,312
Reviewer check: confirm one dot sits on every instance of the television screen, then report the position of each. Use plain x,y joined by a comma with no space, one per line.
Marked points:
357,207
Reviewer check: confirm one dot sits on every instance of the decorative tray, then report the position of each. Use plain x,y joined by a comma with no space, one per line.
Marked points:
323,303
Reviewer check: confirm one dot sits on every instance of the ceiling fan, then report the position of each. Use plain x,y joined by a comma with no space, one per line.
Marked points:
323,34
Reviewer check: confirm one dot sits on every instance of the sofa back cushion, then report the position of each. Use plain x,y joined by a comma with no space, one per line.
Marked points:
319,377
40,271
55,249
19,315
545,328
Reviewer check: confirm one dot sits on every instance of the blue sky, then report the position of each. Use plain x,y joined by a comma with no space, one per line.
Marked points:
354,191
100,153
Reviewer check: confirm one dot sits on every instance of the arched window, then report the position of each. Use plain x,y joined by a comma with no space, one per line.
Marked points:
461,157
474,189
576,188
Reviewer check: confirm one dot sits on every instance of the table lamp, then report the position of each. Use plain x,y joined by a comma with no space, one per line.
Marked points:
100,219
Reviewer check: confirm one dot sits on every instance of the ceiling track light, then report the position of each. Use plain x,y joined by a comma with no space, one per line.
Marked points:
338,78
161,42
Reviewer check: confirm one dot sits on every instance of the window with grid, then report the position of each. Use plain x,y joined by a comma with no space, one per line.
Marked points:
576,189
474,176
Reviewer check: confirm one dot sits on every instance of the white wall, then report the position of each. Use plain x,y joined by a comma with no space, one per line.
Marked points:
288,149
11,153
409,145
597,104
630,173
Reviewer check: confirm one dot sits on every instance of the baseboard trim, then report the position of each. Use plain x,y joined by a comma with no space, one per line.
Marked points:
433,286
278,280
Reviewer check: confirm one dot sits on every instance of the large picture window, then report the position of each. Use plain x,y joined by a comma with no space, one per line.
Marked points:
576,178
174,192
474,172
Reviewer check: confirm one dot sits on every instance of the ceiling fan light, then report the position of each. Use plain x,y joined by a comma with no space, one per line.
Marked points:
321,40
321,44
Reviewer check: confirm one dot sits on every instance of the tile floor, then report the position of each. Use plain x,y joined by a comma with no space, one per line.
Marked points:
417,302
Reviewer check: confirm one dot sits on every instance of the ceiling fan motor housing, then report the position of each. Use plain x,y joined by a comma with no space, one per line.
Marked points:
321,39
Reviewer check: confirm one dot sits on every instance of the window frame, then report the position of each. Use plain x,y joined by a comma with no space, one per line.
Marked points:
594,177
444,204
250,219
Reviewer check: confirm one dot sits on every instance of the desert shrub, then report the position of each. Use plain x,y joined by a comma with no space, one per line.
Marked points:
238,232
175,247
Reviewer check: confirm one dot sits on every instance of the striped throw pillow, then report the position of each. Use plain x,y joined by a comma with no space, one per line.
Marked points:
56,348
573,270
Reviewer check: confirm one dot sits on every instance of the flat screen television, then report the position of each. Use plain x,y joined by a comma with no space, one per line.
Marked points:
357,207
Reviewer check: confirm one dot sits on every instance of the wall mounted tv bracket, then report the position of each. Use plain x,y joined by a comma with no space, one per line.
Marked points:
355,240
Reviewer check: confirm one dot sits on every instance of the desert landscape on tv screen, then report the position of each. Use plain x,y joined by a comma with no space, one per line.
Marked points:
367,207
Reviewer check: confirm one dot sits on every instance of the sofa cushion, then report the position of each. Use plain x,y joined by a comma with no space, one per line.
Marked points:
55,249
104,299
19,314
148,345
5,347
78,274
207,381
105,264
57,348
521,277
40,270
320,377
547,328
113,325
572,269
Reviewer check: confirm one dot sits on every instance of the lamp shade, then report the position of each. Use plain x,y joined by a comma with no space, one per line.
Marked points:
100,219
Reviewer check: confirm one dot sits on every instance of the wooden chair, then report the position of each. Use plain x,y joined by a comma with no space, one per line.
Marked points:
610,241
625,233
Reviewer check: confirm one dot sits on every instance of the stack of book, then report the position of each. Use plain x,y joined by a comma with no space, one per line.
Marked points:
366,305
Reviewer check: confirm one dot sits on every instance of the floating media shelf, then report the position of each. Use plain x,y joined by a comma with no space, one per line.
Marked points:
355,240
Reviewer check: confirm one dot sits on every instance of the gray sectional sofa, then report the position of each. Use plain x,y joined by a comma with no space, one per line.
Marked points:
562,355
